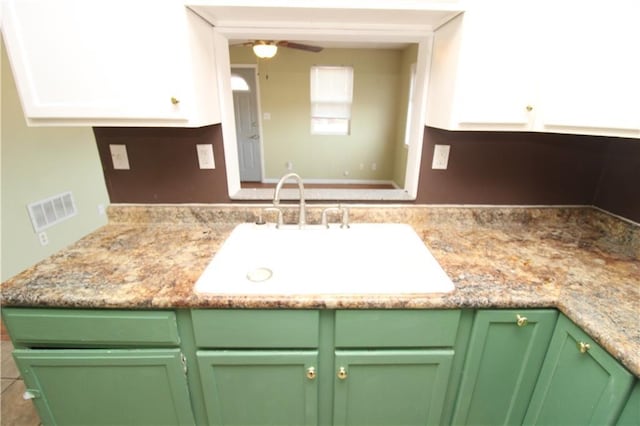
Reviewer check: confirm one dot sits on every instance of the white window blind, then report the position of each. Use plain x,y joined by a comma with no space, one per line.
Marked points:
331,99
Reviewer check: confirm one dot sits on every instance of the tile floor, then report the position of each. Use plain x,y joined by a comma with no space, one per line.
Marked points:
14,411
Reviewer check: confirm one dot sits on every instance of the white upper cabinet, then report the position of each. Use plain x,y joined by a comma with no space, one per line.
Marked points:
592,68
481,71
538,66
138,62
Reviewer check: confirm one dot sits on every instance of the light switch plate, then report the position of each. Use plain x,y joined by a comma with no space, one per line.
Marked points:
119,157
440,157
205,156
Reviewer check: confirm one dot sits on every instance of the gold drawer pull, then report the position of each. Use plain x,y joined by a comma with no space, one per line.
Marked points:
175,100
311,373
342,373
583,347
521,321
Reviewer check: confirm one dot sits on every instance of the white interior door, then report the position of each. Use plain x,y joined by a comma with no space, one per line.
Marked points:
245,105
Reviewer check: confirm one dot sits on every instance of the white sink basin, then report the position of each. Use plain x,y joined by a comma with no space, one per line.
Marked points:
364,259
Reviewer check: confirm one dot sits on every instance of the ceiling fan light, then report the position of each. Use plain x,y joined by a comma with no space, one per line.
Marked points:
265,50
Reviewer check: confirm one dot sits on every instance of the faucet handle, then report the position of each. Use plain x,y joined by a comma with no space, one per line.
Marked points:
325,212
276,209
345,217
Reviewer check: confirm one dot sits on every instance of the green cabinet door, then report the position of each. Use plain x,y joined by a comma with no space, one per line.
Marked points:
260,387
390,387
578,384
504,357
631,412
106,387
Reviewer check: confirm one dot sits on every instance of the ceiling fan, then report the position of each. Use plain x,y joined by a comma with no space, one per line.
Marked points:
269,48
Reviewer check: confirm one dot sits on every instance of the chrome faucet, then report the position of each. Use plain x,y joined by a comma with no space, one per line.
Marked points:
302,215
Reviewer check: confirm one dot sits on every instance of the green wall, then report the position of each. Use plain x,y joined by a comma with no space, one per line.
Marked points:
409,57
37,163
284,90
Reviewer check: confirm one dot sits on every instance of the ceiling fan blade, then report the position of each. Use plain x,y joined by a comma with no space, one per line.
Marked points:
300,46
246,43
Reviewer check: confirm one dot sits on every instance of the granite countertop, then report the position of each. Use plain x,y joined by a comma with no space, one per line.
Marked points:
581,261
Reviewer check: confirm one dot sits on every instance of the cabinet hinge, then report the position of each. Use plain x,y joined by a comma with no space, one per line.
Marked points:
183,359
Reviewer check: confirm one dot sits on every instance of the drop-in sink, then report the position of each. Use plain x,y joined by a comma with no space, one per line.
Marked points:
364,259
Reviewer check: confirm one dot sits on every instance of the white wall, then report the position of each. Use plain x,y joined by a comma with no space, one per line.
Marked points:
36,163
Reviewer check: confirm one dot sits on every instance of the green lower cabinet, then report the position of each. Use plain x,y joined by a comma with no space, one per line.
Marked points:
390,387
106,387
630,415
579,384
504,357
260,387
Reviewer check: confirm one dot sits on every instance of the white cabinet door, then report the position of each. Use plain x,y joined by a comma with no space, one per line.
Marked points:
497,76
482,72
566,67
107,62
591,81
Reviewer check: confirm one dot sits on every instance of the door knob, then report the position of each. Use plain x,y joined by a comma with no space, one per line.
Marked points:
342,373
521,321
583,347
311,373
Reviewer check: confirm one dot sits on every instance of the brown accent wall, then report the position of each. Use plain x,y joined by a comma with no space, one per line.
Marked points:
618,189
164,165
484,168
533,168
511,168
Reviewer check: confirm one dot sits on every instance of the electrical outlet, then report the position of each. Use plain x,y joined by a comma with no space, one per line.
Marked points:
101,210
119,157
289,165
205,156
440,157
374,166
43,238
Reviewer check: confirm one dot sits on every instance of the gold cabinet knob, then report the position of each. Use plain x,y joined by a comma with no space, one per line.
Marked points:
311,373
529,108
175,101
583,347
521,321
342,373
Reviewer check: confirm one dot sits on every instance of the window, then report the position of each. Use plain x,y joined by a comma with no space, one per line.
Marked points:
407,129
238,83
331,98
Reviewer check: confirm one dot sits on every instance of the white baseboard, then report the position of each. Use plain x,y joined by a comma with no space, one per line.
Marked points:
341,182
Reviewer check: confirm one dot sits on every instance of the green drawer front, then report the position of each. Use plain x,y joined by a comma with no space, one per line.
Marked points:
91,328
389,328
255,328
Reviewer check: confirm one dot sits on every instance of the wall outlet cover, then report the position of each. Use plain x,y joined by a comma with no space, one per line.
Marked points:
205,156
440,157
43,238
119,157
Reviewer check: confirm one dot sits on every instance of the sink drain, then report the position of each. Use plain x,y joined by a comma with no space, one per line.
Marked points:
259,275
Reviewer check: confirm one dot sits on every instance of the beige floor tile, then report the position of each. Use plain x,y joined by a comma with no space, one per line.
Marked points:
6,383
15,410
8,369
6,349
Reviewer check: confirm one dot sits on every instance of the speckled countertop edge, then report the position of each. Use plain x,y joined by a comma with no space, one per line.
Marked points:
579,260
